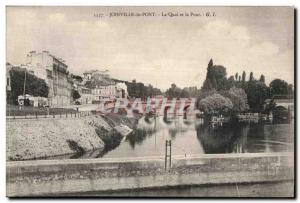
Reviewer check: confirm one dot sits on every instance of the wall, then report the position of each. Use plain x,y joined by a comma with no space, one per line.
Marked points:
75,176
40,138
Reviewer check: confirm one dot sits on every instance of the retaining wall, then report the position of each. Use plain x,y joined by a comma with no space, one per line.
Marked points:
54,177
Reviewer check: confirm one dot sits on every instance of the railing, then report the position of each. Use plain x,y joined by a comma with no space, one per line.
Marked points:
38,115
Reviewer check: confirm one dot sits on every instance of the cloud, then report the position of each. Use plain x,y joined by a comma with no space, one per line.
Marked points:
152,51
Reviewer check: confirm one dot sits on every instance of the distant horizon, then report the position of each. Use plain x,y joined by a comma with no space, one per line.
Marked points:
158,50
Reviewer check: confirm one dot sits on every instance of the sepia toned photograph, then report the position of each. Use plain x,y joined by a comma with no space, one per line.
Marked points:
150,101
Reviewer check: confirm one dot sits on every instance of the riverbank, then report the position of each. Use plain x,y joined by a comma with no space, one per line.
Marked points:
47,137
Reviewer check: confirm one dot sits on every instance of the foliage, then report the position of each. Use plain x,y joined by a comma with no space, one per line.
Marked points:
270,106
262,79
77,77
139,90
215,77
251,77
110,138
243,94
244,77
173,91
176,92
34,86
256,92
215,103
238,97
75,94
279,87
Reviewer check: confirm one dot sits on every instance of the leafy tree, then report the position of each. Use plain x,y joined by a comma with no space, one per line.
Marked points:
251,77
139,90
215,77
215,103
244,77
238,98
256,92
75,94
270,106
262,79
236,76
230,82
279,87
174,91
77,77
33,86
290,89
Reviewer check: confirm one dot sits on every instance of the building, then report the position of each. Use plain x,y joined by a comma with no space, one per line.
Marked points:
95,74
102,87
86,96
8,82
55,72
121,89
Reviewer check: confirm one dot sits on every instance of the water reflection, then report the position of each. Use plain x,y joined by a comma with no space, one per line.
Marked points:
192,136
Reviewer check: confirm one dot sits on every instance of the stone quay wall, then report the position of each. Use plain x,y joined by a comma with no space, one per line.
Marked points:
54,177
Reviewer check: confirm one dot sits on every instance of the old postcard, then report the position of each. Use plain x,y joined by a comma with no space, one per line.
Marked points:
150,101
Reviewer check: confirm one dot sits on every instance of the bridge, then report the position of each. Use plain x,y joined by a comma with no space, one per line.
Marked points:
158,106
286,103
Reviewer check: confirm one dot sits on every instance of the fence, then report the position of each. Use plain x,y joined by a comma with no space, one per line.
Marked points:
37,115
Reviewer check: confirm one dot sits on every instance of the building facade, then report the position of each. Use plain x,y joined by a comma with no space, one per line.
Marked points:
55,72
102,87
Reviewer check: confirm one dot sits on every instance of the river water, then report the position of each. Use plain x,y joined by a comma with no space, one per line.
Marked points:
192,136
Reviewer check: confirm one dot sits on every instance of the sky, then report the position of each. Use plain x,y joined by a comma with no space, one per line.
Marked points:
160,50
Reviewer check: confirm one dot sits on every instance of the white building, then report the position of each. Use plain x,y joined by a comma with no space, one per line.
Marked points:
55,73
102,87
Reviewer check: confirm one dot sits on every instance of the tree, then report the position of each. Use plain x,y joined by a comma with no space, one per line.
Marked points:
215,77
215,104
230,82
236,76
256,92
75,94
251,77
279,87
77,77
270,106
244,77
262,78
139,90
238,97
174,91
290,90
33,86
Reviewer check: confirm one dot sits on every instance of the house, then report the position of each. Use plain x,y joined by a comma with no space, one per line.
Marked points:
55,72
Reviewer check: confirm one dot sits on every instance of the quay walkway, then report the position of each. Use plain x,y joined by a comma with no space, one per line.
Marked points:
74,176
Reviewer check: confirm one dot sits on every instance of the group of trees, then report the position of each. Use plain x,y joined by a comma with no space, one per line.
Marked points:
177,92
244,94
33,86
139,90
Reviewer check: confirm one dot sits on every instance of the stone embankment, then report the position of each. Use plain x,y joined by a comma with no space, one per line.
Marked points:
84,176
42,138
